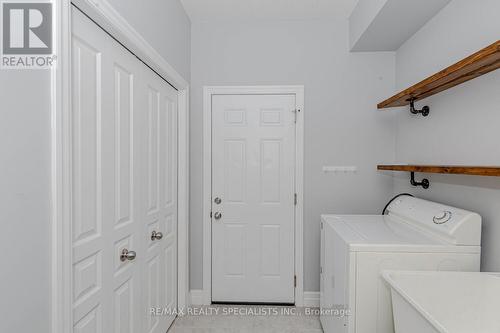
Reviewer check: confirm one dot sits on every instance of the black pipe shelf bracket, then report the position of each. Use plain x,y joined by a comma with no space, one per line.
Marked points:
424,111
424,183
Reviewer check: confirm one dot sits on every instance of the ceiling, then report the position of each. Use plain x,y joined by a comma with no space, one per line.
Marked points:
254,10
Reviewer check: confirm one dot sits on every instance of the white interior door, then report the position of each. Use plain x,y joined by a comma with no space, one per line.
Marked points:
124,187
253,167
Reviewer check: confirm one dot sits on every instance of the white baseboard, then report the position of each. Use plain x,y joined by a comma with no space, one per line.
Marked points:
311,299
196,296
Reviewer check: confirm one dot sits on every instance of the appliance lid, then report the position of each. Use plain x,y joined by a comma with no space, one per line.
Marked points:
384,233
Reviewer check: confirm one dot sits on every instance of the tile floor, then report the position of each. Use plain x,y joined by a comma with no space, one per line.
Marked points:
246,319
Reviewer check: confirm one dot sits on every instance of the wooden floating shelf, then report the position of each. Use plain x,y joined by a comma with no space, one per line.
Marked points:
480,63
446,169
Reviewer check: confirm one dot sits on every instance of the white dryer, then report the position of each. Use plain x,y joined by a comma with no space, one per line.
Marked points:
415,235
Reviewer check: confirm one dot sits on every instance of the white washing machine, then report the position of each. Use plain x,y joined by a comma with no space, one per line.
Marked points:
415,235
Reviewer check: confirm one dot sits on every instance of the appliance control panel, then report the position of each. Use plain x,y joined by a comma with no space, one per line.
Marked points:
454,225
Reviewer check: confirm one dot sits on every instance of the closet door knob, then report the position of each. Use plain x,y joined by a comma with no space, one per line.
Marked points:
127,255
156,235
218,216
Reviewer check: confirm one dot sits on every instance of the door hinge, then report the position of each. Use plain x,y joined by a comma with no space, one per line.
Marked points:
295,281
320,270
210,214
295,199
321,225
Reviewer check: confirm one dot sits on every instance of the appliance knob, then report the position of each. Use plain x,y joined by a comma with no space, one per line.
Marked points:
442,218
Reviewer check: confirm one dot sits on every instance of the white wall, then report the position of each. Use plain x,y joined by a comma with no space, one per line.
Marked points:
463,127
342,126
25,238
25,152
165,25
361,17
376,25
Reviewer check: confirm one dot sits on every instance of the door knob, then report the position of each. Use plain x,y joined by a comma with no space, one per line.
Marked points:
217,216
127,255
156,235
218,200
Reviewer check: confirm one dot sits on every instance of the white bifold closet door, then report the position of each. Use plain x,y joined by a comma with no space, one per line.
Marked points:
124,187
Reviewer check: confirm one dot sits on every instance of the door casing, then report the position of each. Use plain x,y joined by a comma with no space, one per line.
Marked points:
208,92
103,14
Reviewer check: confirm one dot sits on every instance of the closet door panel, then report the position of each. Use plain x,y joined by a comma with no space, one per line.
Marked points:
126,289
90,236
105,221
169,197
160,192
151,221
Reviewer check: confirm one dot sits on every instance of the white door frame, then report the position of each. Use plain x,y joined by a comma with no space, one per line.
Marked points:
109,19
208,92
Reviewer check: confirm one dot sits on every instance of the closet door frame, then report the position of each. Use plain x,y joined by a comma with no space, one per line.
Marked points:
101,12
